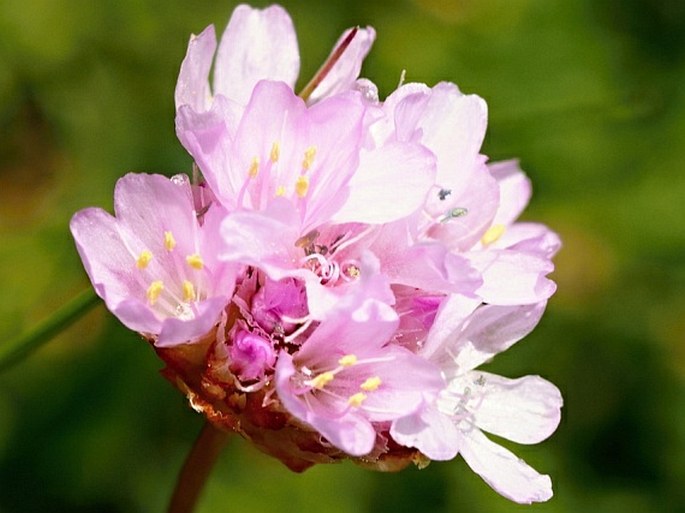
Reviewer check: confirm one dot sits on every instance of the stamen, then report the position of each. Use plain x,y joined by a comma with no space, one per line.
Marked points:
154,290
302,186
195,261
275,151
254,167
493,233
309,155
353,271
453,213
371,384
169,241
348,360
188,291
321,380
144,259
357,399
280,190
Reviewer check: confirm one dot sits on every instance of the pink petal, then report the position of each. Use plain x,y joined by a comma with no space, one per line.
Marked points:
347,430
453,311
257,44
175,331
531,238
525,410
192,87
346,70
260,240
391,182
515,190
452,126
512,277
504,471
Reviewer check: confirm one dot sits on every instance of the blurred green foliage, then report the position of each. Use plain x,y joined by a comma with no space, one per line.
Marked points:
587,93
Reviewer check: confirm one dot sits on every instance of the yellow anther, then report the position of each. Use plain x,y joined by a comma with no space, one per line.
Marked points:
302,186
195,261
254,168
154,290
321,380
188,291
357,399
371,384
348,360
144,259
169,241
275,151
309,155
353,271
280,190
493,233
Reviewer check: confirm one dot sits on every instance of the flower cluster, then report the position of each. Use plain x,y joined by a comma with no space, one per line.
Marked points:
331,283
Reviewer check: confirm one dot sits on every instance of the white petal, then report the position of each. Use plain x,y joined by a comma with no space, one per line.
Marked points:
504,471
515,190
491,330
525,410
430,431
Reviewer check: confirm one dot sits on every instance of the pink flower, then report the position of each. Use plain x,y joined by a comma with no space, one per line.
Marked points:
155,262
524,410
347,376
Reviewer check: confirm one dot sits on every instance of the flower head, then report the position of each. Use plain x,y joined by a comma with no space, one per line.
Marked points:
330,286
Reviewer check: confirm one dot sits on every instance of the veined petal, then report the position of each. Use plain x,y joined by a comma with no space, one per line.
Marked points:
430,431
490,330
525,410
257,44
452,314
346,70
391,182
192,88
503,471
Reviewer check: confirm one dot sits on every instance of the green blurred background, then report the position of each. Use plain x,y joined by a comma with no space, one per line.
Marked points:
587,93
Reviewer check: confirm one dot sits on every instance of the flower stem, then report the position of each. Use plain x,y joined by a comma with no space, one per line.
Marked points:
196,469
15,350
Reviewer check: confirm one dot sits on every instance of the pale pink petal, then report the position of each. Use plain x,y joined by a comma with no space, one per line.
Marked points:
105,256
343,74
260,240
391,182
525,410
531,238
503,471
475,198
512,277
430,431
490,330
448,324
192,88
515,190
176,331
257,44
153,204
452,126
